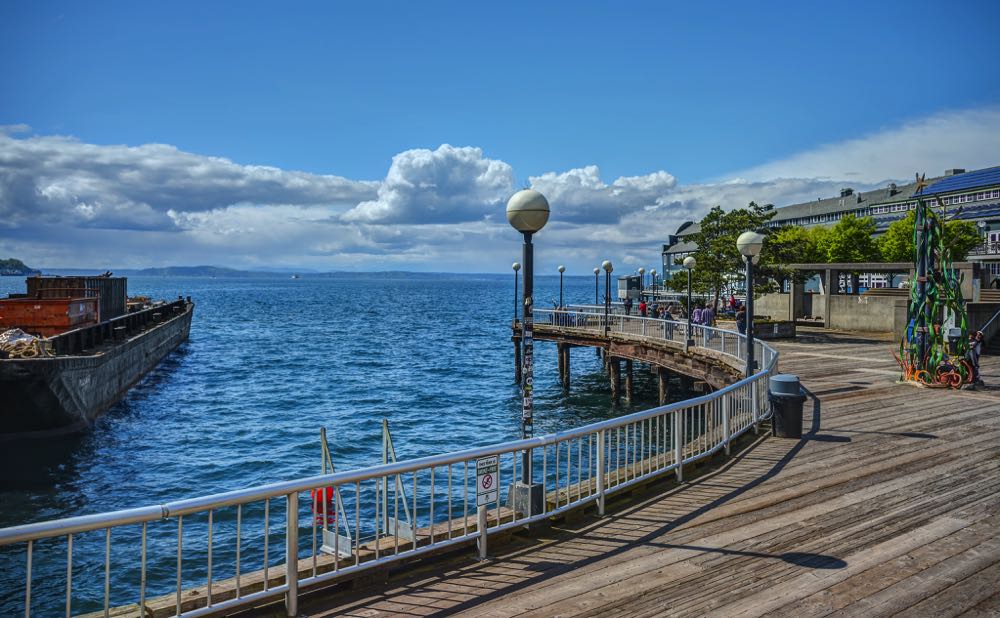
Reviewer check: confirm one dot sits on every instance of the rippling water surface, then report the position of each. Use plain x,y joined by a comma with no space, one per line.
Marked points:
268,363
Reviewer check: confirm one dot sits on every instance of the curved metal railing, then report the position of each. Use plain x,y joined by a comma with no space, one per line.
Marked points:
575,468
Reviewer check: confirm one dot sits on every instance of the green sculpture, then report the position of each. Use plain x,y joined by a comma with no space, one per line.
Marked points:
929,353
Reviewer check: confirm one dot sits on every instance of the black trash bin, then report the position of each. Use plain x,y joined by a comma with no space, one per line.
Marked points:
787,399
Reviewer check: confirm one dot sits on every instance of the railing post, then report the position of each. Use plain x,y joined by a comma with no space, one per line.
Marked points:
678,441
481,525
292,555
725,421
600,472
754,405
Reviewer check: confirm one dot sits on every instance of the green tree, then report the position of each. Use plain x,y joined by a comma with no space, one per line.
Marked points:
850,240
961,237
719,262
896,245
790,244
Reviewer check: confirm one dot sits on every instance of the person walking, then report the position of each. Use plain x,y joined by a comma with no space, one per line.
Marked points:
741,320
628,305
975,350
696,314
707,316
642,307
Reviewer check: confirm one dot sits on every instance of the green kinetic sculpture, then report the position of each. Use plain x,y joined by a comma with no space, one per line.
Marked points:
928,354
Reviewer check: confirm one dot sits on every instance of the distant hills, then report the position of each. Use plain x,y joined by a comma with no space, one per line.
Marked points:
223,272
15,267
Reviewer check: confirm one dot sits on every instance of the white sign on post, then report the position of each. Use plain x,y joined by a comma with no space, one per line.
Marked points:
487,483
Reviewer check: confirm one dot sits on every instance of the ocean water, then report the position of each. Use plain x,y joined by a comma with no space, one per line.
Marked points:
269,362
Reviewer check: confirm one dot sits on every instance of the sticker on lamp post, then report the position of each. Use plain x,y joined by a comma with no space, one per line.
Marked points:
487,483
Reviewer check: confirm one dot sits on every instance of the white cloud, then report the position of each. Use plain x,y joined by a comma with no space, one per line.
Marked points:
583,197
64,202
438,186
967,139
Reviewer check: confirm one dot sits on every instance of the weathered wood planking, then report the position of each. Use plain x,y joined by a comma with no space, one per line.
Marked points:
890,504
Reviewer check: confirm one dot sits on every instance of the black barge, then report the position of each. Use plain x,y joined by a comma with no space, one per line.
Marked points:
63,382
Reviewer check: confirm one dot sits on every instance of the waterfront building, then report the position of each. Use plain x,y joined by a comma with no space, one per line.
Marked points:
976,193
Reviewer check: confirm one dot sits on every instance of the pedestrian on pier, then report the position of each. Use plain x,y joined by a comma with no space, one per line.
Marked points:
628,305
741,320
642,308
975,350
696,314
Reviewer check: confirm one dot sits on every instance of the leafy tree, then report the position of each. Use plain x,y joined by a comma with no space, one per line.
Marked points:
896,245
850,240
961,237
719,262
790,244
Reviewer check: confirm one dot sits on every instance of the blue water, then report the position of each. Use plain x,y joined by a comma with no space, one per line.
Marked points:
268,363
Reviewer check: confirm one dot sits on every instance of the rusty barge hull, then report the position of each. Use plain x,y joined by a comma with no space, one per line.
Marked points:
42,397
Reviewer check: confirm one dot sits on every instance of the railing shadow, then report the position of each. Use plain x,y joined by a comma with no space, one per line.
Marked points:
547,570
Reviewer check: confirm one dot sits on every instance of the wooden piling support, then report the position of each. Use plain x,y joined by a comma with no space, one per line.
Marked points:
615,369
561,362
629,390
664,383
566,372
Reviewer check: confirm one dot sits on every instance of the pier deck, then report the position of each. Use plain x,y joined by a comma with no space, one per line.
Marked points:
890,504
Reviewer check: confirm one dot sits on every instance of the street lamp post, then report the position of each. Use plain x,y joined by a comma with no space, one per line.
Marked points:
642,281
516,266
608,268
527,212
749,245
597,295
562,269
689,264
652,280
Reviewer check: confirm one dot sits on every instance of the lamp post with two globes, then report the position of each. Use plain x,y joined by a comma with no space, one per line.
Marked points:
527,212
749,245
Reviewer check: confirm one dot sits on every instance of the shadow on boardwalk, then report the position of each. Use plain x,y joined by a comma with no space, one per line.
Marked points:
890,501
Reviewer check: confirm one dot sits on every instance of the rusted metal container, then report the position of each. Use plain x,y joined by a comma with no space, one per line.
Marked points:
112,291
48,316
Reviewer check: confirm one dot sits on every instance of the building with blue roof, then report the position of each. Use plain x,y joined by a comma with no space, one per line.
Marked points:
972,196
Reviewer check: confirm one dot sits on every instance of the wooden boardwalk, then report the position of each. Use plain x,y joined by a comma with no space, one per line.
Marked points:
889,505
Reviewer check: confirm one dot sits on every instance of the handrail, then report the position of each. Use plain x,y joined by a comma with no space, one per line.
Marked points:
609,456
988,332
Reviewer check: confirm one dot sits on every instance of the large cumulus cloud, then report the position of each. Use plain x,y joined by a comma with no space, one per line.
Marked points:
445,185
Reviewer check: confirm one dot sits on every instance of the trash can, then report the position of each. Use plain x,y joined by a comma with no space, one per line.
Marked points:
787,398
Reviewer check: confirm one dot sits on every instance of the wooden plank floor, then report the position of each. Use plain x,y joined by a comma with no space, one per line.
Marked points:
889,505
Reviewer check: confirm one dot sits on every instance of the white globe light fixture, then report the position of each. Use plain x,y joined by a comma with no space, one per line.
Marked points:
689,262
527,211
749,244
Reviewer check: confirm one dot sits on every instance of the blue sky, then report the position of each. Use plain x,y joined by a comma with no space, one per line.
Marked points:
681,99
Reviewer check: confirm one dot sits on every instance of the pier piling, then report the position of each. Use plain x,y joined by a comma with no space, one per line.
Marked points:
629,390
615,370
664,384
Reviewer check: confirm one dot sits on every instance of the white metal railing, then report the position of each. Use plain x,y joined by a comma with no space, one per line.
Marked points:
575,467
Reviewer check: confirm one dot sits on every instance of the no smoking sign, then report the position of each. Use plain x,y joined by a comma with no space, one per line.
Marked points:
486,480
